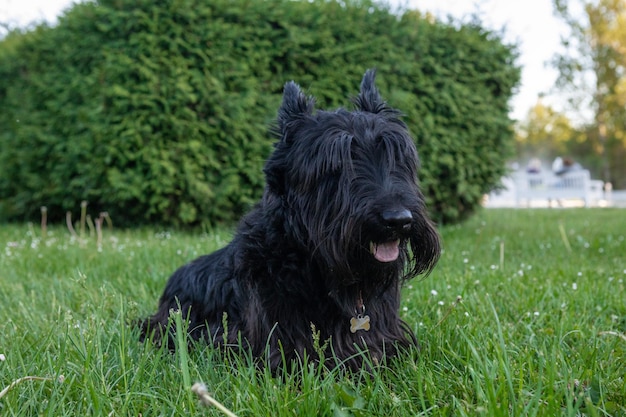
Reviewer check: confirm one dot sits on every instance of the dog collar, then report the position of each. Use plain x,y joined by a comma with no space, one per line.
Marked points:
360,321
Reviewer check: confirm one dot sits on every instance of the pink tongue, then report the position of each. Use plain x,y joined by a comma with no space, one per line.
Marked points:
386,252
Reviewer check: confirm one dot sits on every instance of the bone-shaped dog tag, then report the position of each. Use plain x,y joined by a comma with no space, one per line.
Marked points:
359,322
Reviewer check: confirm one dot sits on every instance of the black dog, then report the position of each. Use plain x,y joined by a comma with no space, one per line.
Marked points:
340,227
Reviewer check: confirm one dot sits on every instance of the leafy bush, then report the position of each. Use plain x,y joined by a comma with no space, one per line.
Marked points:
159,111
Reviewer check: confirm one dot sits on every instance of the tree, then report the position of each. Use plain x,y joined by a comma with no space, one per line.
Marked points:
547,133
592,72
544,133
158,110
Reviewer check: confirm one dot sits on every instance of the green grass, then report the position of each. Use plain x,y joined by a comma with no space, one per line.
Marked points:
525,315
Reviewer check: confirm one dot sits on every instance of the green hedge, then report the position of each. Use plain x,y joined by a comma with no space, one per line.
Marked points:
158,111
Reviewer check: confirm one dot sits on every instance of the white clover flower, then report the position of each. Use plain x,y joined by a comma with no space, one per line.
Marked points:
2,357
574,286
433,292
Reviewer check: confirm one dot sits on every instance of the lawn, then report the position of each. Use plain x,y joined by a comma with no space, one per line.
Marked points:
525,315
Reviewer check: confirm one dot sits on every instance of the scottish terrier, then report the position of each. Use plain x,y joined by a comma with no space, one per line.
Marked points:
322,257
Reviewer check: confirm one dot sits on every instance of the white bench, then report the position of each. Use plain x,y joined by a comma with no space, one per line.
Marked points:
548,186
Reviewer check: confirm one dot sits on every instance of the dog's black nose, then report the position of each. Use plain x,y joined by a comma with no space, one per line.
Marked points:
397,219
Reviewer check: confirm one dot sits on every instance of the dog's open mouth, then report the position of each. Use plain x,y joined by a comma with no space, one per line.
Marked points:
387,251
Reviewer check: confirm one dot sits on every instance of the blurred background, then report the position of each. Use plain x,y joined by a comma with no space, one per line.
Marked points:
567,99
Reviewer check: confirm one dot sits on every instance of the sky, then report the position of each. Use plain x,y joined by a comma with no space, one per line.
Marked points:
527,23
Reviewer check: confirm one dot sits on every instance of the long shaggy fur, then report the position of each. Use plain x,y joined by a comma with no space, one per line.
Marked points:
341,225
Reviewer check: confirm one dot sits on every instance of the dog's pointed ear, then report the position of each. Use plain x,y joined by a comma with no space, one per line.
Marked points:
369,99
295,106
